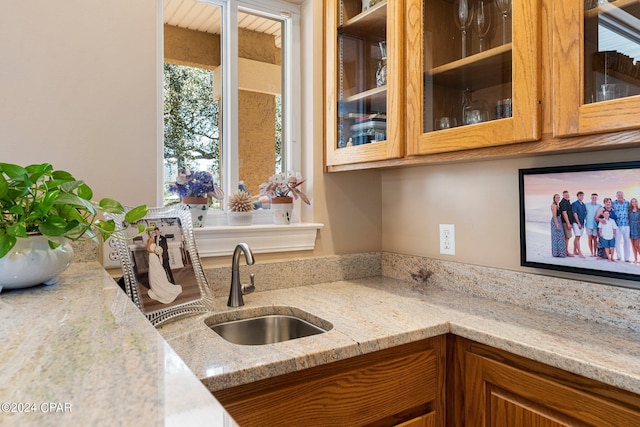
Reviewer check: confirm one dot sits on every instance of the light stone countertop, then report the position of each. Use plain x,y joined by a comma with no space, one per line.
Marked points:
83,346
80,353
377,313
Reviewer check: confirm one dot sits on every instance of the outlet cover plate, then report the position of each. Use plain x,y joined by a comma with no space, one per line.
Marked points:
447,239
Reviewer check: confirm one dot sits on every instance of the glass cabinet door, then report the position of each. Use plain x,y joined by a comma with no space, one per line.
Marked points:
363,52
473,75
596,73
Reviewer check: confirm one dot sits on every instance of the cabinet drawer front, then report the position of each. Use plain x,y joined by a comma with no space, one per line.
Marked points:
349,394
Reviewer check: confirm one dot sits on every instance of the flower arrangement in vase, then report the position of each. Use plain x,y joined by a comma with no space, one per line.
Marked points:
281,185
195,185
195,190
282,190
240,208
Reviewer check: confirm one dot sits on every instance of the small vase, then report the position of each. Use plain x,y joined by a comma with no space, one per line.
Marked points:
32,262
198,206
282,208
239,218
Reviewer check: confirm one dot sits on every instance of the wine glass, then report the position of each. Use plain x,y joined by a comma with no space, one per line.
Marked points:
462,16
504,6
481,21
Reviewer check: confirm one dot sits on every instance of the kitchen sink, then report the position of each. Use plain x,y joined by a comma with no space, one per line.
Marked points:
272,327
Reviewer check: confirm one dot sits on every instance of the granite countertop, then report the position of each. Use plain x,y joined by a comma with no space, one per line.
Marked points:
81,353
376,313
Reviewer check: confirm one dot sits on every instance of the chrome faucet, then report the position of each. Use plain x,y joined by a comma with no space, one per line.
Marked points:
237,288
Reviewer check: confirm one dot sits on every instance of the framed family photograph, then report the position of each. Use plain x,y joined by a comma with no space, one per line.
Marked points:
582,219
162,271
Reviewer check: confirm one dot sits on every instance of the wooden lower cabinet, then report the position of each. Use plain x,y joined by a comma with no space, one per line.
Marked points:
445,381
427,420
498,389
384,388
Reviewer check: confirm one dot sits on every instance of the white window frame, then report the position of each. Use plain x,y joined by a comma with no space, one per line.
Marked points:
217,238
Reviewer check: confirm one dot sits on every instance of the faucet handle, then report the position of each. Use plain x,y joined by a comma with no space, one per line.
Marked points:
247,289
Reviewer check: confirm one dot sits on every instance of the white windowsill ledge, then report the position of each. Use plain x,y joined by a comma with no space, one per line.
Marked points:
220,240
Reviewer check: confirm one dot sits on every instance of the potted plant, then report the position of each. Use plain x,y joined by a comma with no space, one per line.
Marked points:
240,208
282,190
41,209
195,190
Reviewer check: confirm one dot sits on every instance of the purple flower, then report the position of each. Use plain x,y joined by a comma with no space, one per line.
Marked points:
196,184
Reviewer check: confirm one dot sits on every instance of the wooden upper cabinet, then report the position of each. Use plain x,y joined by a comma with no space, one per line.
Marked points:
471,83
363,81
596,71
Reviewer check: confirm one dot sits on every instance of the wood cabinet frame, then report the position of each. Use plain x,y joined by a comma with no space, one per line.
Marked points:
491,387
393,147
571,116
525,125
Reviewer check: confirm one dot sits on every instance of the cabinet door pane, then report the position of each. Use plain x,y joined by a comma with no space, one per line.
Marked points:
473,74
362,72
467,54
363,86
595,79
611,50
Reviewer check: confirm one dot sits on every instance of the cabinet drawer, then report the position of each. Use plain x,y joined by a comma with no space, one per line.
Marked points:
391,386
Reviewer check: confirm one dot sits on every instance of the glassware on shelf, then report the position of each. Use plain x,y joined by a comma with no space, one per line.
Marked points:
504,6
462,16
445,123
481,21
381,72
474,111
503,108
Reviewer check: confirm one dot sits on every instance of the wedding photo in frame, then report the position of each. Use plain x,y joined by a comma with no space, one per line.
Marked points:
596,243
162,271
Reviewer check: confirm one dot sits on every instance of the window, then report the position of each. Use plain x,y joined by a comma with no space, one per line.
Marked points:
229,83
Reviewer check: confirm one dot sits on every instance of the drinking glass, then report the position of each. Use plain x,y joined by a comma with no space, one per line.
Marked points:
504,6
481,21
462,16
446,123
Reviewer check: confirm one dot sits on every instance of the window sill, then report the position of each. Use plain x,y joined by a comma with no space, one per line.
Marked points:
220,240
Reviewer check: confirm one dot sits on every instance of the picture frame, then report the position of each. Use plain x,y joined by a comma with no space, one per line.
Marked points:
540,237
161,268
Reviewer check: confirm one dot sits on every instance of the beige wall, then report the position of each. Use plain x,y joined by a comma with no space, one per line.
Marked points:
348,203
479,198
191,48
78,85
79,90
256,134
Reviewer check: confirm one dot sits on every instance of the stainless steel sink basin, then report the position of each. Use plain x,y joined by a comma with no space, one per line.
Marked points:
269,328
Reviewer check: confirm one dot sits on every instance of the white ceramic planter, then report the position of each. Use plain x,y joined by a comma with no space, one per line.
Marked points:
31,262
282,208
198,207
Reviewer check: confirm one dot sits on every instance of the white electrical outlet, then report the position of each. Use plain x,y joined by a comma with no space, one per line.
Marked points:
110,254
447,239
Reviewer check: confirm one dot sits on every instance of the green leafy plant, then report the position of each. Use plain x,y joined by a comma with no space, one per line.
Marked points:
37,199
